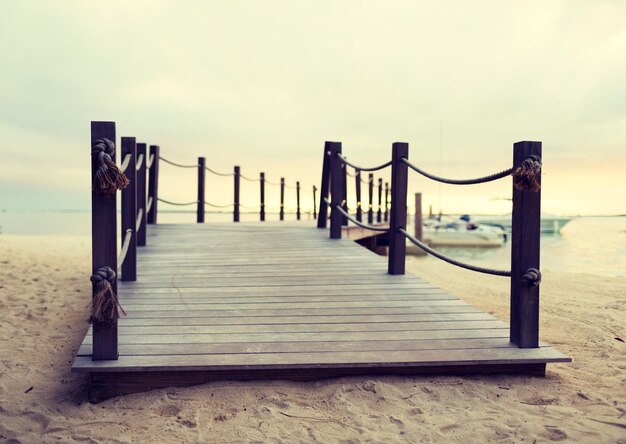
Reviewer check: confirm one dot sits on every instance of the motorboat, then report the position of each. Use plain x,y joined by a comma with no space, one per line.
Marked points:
461,232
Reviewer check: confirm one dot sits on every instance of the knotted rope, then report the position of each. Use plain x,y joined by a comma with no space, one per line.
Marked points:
532,277
525,175
105,307
109,178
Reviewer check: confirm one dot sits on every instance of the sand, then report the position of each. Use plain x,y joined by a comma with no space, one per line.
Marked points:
44,296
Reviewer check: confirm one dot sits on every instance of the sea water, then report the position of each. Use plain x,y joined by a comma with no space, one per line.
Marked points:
594,245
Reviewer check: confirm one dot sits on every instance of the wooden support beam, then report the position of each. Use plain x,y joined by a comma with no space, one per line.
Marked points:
314,202
399,177
262,186
153,184
282,199
336,185
386,202
324,187
142,209
298,200
237,179
129,209
379,213
525,243
370,203
419,223
103,241
359,210
201,189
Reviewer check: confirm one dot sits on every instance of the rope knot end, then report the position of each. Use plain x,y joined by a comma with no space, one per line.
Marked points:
109,178
105,307
532,277
525,176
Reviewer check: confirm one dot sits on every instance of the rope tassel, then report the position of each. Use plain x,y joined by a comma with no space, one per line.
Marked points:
525,175
105,307
109,178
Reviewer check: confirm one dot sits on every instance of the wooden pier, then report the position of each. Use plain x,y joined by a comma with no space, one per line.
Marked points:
259,300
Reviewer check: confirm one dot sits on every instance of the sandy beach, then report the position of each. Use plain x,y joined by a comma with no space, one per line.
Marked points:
44,300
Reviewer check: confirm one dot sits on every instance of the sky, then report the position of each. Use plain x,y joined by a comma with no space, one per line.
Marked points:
262,84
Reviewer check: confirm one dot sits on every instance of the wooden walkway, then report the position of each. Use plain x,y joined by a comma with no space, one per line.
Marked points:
262,300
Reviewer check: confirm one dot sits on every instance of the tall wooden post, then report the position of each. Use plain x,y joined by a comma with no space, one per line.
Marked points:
201,187
336,190
379,213
525,240
262,183
314,202
386,201
298,200
419,223
129,209
324,187
142,216
282,199
399,176
236,199
153,184
103,242
359,210
370,208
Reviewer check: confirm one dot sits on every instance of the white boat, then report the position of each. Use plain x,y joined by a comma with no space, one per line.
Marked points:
461,232
549,224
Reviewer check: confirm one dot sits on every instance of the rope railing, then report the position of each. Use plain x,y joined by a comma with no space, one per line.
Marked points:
217,206
449,260
178,204
179,165
149,204
473,181
356,222
139,162
360,168
120,260
217,173
249,179
139,219
125,163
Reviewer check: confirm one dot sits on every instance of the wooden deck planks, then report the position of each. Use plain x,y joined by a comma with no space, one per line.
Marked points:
251,296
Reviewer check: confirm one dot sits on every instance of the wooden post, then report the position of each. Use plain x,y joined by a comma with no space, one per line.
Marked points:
399,176
370,209
298,200
129,209
282,199
324,187
103,243
201,172
153,184
359,211
262,182
386,202
336,185
525,240
344,194
141,195
314,202
379,213
236,200
419,223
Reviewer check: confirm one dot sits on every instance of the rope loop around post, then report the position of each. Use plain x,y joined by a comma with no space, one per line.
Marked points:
105,308
525,175
532,277
108,178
